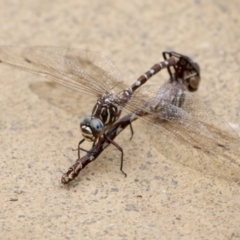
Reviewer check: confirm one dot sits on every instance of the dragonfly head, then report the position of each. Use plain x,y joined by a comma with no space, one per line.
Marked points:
92,128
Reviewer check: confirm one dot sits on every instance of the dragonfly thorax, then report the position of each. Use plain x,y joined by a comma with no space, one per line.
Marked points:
107,109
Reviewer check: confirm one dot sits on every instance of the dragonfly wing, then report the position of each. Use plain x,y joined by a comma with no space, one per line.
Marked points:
83,71
62,97
175,112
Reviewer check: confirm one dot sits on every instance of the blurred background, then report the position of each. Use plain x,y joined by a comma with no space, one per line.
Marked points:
159,199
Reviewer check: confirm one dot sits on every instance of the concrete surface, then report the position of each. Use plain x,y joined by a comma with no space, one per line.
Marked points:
160,199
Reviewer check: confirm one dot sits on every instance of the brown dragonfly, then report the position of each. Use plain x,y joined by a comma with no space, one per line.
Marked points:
186,131
174,112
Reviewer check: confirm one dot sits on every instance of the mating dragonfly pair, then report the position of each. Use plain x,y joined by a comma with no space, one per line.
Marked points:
173,111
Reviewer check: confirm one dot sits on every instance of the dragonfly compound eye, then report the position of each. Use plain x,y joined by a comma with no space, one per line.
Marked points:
193,83
85,121
97,126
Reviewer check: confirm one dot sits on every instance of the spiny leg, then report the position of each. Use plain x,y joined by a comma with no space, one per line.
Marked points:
132,132
120,149
79,148
81,141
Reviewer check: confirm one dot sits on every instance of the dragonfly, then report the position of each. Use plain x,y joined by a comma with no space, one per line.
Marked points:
86,72
92,73
185,75
185,129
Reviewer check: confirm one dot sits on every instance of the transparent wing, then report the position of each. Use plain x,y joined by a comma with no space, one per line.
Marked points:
183,120
182,152
83,71
62,97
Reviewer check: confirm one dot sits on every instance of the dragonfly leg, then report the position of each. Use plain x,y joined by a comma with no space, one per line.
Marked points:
132,132
79,148
120,149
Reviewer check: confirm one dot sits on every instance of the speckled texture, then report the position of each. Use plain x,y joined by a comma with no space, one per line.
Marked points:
159,199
